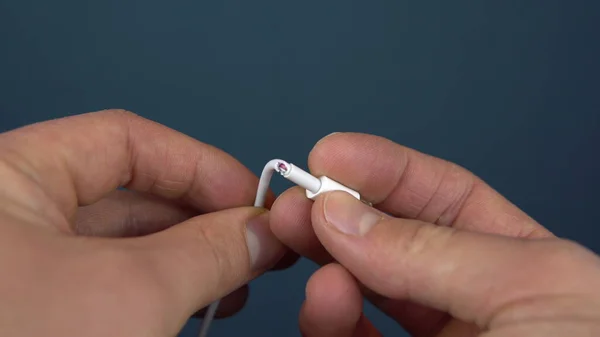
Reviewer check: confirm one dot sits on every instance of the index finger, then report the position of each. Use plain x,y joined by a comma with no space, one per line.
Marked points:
406,183
76,160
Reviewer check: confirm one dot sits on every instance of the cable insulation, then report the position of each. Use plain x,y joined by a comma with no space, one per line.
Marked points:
314,187
275,165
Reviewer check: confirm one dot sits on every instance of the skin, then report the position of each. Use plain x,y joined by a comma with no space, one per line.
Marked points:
81,258
441,252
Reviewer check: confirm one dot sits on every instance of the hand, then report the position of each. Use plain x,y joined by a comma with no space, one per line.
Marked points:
79,259
442,253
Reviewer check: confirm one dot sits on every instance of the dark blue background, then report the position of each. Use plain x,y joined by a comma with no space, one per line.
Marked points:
508,89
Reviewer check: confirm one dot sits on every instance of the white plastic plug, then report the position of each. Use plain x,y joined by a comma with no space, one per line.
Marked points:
330,185
314,186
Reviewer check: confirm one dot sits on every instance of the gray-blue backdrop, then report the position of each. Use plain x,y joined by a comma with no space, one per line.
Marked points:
508,89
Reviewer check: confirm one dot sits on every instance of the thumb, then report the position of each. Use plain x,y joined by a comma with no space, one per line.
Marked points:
470,275
208,257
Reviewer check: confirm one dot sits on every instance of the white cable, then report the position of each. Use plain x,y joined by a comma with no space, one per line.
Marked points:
314,187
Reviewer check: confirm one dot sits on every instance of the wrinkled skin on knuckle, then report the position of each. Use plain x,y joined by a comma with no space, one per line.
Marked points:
222,259
215,261
399,249
426,245
425,238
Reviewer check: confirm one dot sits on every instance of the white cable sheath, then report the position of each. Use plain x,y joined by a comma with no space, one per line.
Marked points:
208,318
265,179
301,178
314,186
328,185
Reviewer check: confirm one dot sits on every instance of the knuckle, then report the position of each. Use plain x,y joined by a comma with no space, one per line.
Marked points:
412,243
422,238
214,263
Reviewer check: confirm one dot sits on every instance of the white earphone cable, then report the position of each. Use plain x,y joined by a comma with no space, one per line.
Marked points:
314,186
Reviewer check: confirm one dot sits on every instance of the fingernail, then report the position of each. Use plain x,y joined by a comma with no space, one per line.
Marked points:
349,215
263,246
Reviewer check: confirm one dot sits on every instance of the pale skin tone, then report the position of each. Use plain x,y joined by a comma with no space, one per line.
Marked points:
79,258
448,257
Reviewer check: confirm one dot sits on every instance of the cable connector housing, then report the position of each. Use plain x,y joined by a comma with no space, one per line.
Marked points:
330,185
314,186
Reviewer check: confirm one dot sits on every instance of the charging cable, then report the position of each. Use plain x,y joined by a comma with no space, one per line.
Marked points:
314,187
